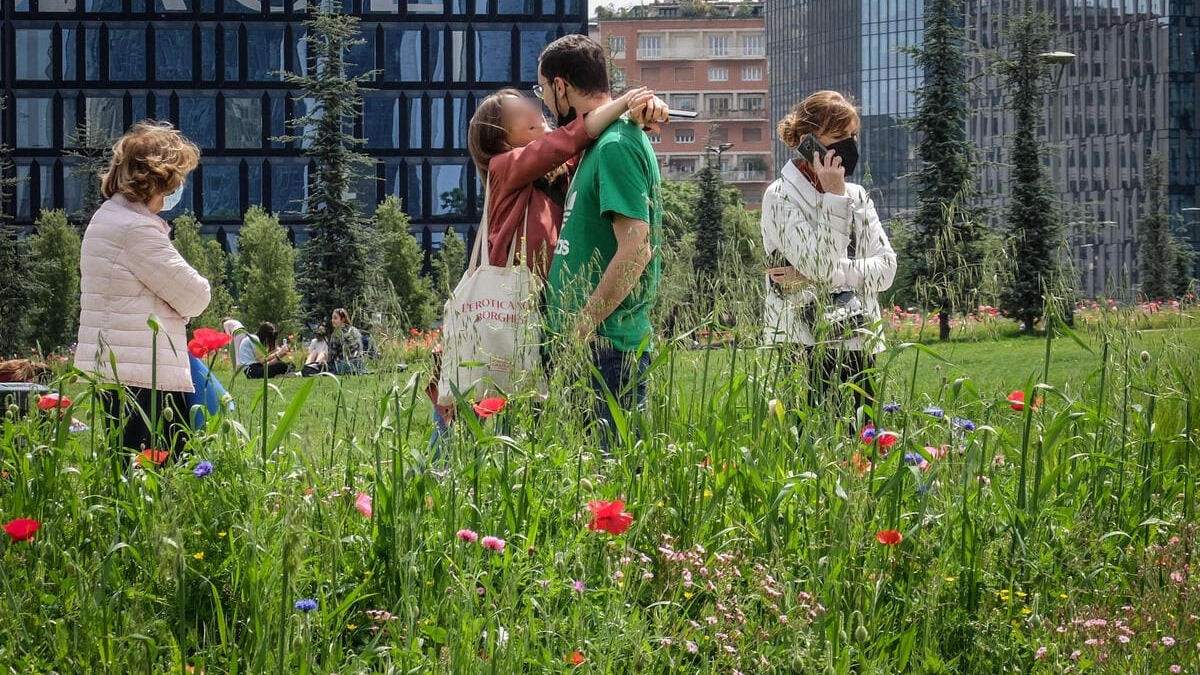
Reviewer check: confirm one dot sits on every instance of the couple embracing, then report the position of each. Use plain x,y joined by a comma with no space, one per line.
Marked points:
585,198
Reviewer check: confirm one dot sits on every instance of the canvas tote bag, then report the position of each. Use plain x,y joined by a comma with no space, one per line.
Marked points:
491,330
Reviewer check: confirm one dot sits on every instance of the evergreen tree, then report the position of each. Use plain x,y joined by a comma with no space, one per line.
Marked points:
943,252
210,261
92,154
1184,264
265,273
1157,250
1032,214
54,275
710,229
399,267
333,269
15,289
448,266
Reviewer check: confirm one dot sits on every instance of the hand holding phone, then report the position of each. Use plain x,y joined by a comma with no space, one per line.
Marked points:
809,146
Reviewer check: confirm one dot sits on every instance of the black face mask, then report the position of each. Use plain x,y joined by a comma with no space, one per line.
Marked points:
847,149
564,120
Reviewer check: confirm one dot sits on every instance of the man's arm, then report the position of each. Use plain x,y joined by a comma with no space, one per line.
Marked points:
620,277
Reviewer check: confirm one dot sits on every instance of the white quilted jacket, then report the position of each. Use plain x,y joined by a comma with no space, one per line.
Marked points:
130,270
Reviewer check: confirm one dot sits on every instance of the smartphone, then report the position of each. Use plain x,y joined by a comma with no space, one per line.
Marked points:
809,145
690,114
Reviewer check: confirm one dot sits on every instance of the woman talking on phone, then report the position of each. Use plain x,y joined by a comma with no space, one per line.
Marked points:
827,251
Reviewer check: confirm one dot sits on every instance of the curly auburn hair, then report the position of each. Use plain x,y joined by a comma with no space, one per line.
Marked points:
823,113
152,158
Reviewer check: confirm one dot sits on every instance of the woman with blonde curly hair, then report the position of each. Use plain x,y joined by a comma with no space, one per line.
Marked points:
829,254
130,271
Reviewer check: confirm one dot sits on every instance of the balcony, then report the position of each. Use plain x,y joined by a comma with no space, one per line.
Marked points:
698,53
754,114
744,176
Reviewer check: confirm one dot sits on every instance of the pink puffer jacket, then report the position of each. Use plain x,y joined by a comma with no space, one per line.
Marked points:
129,271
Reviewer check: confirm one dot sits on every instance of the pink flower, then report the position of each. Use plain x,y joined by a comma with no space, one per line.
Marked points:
468,536
692,647
1168,641
493,543
1040,654
1175,668
363,503
578,586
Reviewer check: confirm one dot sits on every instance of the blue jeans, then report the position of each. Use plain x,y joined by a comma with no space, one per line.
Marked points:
623,374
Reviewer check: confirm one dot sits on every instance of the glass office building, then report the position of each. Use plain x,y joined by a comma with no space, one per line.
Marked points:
1132,91
853,46
213,67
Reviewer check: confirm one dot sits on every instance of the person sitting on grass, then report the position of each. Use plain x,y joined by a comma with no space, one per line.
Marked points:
259,356
317,360
345,345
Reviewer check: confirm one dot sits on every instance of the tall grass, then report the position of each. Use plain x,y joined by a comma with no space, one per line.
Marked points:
752,546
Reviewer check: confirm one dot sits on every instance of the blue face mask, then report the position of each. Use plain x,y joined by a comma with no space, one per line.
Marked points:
172,200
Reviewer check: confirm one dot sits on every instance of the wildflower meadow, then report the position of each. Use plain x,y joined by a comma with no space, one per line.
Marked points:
1009,505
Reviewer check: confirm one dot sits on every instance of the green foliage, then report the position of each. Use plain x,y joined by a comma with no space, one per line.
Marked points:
1164,259
333,270
16,289
942,255
265,273
209,259
710,230
396,263
92,152
54,275
1032,216
448,266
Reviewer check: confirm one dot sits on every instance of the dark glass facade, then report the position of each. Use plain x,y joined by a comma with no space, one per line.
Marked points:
213,68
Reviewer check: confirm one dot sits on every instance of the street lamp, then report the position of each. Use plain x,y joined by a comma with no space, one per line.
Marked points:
720,150
1061,60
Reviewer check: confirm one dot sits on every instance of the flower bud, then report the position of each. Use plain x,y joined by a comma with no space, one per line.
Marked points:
861,635
1144,356
775,407
168,413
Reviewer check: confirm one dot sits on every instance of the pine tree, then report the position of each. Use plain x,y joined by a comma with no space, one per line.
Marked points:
943,252
448,266
710,232
265,273
93,152
1157,250
332,262
54,275
1184,264
14,280
399,267
1032,214
210,261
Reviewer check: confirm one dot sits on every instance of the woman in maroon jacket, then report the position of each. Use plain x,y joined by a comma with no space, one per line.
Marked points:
525,164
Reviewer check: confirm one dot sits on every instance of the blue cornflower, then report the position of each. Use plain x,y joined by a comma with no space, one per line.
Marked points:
913,458
203,469
891,407
963,423
306,605
934,411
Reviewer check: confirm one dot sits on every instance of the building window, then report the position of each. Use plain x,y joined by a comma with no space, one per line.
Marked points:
718,74
752,134
198,119
493,55
221,190
618,78
654,138
649,46
651,75
532,43
402,56
718,45
126,54
616,46
33,129
685,135
173,54
33,54
424,6
104,116
683,101
753,103
718,105
752,74
514,7
243,122
752,45
289,186
264,53
381,121
684,75
449,190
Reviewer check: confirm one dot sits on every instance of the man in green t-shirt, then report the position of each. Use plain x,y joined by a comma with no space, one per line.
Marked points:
604,275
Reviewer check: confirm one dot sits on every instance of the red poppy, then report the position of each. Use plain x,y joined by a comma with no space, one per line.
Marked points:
889,537
885,439
1016,400
52,401
575,658
206,340
22,529
608,517
153,457
489,406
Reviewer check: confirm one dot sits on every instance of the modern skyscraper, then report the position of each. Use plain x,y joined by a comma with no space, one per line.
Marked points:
213,68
